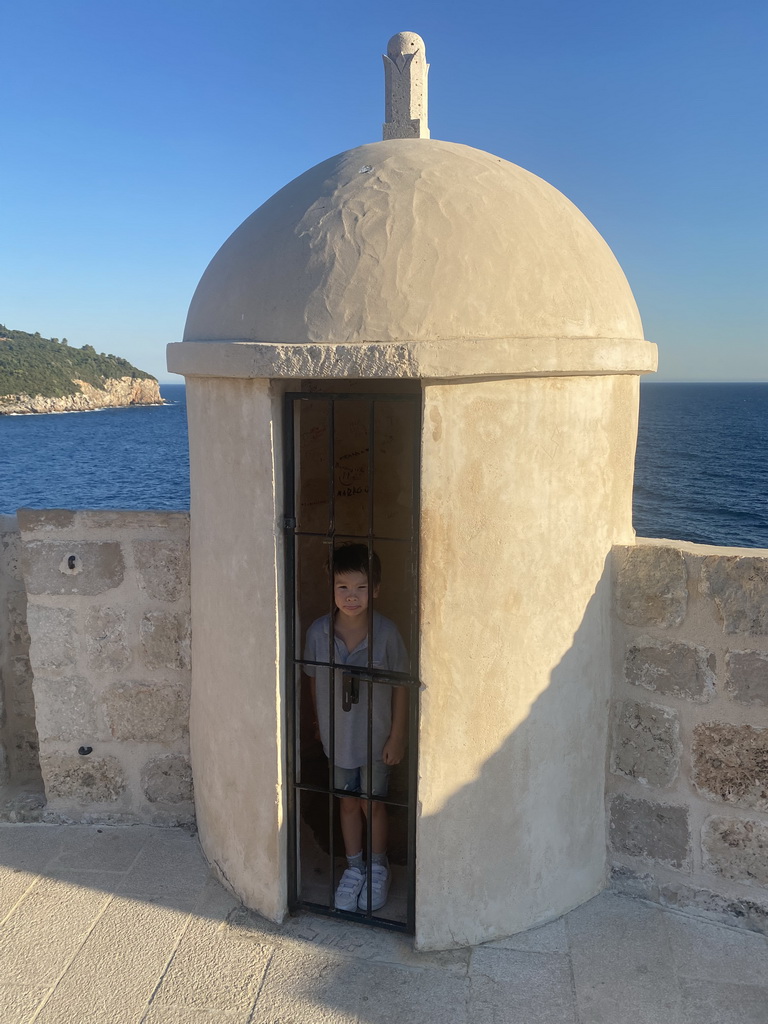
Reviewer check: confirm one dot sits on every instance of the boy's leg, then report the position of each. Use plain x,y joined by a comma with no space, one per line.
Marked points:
351,824
379,826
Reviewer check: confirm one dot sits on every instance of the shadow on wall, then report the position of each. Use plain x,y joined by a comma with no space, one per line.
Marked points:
557,740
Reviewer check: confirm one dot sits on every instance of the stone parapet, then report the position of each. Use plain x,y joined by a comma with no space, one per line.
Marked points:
109,624
687,787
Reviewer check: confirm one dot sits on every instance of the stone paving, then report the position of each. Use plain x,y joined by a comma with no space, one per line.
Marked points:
125,924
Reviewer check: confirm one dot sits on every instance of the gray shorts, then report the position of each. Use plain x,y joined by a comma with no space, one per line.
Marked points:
355,780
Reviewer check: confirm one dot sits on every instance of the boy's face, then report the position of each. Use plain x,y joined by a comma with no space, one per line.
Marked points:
350,593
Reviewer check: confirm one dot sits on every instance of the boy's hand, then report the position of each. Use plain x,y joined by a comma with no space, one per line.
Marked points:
394,750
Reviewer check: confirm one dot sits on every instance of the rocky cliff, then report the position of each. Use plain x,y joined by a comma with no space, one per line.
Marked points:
114,393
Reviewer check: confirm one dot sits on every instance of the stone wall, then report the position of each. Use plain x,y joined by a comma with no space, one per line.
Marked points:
688,765
18,737
108,617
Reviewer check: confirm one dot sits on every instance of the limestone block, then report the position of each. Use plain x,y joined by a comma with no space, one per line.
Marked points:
106,640
65,709
678,669
650,830
147,713
165,638
34,520
18,631
74,567
88,779
10,553
53,638
730,762
131,520
746,676
19,689
167,779
737,849
646,744
23,754
739,587
652,586
163,568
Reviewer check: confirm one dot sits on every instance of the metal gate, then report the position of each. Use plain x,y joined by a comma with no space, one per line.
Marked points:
351,477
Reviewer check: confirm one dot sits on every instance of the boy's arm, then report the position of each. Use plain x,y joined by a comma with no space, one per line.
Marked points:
395,747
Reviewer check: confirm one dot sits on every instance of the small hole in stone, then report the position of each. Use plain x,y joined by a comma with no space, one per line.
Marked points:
72,561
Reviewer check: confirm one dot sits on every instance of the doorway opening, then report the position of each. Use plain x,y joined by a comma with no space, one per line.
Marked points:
351,482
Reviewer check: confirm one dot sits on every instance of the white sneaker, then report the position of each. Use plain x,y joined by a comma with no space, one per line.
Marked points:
348,890
379,888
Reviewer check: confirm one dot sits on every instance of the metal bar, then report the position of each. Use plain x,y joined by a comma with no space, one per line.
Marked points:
413,693
289,499
355,536
370,687
363,671
307,787
352,396
376,922
331,654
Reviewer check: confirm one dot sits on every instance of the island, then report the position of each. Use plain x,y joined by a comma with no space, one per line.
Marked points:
47,375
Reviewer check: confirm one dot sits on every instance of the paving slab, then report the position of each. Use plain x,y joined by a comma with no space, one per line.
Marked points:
126,925
701,950
511,986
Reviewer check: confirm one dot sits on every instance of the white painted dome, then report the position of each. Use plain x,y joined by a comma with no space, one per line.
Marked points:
413,240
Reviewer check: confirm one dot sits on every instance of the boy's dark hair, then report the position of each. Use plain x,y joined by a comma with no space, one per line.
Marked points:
354,558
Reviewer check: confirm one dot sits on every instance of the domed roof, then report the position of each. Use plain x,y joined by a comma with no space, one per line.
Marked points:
413,240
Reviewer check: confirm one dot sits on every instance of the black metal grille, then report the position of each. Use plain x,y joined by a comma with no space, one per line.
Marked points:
351,475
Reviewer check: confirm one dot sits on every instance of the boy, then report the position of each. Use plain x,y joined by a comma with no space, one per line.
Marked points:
351,594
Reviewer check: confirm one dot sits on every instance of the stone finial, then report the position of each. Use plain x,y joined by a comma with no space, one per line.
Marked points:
405,81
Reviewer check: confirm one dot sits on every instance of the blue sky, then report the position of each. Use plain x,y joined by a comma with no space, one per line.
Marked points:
138,136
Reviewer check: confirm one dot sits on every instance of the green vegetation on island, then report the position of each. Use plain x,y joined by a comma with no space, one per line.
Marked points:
32,365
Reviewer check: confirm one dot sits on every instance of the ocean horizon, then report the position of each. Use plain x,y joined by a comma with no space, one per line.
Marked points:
701,469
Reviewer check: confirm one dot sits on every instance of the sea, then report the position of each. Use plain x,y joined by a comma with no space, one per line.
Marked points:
701,471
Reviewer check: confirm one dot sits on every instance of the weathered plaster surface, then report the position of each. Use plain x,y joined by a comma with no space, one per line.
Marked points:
691,651
413,240
526,485
236,713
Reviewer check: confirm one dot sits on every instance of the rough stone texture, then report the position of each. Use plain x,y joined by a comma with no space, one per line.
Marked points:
730,910
653,831
147,713
90,779
53,649
65,709
163,568
165,638
10,553
405,77
646,744
730,762
167,779
96,566
652,586
117,391
737,849
84,644
739,587
679,669
746,676
32,520
18,630
106,639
